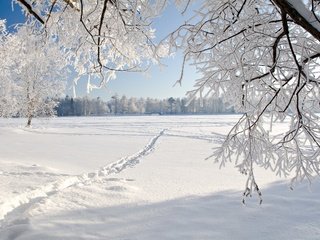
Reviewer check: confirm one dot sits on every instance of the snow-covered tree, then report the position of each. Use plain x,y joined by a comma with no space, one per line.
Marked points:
171,102
33,75
132,105
7,86
123,105
263,57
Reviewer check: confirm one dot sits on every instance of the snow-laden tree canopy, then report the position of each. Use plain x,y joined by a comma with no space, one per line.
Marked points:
262,56
33,74
7,87
100,38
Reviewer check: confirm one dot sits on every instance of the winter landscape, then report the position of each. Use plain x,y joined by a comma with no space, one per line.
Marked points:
97,143
139,177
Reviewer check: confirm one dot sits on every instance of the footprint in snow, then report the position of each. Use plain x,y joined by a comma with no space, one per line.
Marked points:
119,180
117,188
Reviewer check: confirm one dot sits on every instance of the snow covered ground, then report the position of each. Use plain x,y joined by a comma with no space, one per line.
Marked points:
139,178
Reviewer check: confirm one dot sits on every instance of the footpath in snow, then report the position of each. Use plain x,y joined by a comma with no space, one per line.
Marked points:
30,197
166,190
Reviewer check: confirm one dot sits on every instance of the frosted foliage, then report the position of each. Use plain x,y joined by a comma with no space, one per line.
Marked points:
8,102
7,86
33,75
3,29
253,55
101,38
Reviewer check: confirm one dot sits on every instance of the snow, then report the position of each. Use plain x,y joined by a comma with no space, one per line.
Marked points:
141,178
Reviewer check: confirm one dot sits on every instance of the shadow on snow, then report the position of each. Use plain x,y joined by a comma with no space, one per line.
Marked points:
284,214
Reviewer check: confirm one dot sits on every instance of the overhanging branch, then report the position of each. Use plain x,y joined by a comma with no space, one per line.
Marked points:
298,18
31,11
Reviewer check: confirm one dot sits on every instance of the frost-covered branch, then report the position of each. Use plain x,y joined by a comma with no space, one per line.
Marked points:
100,38
263,59
33,75
301,15
30,10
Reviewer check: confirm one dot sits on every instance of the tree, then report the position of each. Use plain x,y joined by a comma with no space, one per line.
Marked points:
100,107
115,104
72,107
34,71
132,105
171,102
263,58
124,107
8,102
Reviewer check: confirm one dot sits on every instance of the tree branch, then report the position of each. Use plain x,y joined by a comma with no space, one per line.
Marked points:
297,17
31,11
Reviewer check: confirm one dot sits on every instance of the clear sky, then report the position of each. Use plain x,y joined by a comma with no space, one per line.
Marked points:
157,83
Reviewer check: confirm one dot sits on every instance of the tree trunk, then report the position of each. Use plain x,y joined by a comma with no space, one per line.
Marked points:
29,121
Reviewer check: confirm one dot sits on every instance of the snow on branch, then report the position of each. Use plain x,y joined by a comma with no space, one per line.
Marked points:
306,18
264,60
100,38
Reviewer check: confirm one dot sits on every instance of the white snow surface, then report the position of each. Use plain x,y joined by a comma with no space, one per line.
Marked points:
139,178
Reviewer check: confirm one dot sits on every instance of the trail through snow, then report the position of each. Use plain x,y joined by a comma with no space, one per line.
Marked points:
173,194
23,200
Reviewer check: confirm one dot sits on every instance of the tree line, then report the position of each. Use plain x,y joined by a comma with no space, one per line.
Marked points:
85,106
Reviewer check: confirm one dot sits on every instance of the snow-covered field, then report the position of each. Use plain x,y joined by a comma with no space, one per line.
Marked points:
139,178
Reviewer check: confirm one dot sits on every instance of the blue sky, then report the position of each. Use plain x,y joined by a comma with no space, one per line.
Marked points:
157,84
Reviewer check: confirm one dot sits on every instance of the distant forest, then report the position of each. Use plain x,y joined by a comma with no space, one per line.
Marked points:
85,106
